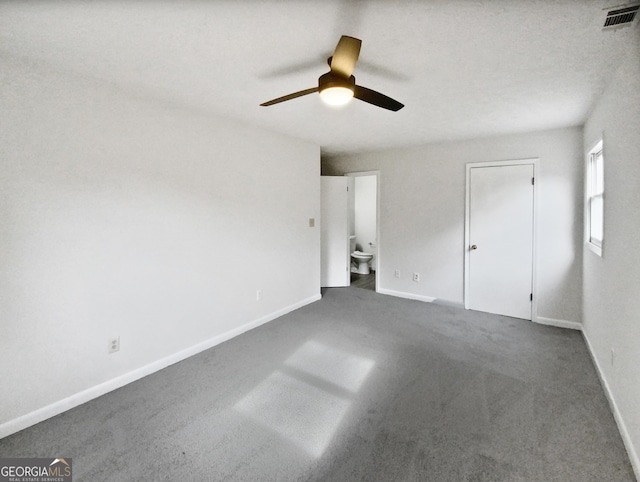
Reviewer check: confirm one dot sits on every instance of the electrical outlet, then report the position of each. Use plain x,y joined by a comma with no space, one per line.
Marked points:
397,273
259,295
416,276
312,222
114,344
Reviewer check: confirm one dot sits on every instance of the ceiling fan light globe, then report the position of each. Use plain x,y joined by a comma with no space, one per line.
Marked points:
336,96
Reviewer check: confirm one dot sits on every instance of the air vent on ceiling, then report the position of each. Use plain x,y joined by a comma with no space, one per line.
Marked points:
622,16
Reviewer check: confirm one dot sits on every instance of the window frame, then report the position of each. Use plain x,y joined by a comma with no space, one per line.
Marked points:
594,188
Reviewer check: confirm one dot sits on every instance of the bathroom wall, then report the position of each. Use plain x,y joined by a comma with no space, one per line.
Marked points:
123,215
612,282
422,201
351,203
365,215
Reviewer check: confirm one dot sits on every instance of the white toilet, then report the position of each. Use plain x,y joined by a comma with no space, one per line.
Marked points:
363,260
360,258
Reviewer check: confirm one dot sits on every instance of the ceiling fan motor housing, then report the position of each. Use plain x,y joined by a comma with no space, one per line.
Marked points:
330,79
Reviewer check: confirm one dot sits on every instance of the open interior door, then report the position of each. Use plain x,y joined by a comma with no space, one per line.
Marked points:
334,232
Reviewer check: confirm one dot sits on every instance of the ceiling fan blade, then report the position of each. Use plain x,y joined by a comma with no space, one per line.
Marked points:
376,98
345,56
290,96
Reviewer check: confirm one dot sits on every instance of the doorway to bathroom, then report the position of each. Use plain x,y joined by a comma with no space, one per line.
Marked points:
364,200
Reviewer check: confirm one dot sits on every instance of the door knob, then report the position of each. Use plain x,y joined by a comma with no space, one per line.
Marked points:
473,246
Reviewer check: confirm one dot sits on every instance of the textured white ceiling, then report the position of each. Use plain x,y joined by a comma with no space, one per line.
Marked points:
463,69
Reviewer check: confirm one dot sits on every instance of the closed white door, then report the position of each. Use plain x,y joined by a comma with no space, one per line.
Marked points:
334,238
500,239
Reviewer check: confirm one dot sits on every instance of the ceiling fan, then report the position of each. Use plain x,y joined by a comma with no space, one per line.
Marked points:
338,86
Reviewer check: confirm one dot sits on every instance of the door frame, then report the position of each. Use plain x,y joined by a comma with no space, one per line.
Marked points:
467,220
377,174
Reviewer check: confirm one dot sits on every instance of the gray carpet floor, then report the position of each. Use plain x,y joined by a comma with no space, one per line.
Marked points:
357,386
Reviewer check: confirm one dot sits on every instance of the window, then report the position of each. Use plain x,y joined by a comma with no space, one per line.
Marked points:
595,199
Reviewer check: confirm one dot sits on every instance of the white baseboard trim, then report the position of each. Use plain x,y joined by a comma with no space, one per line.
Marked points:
409,296
56,408
622,427
573,325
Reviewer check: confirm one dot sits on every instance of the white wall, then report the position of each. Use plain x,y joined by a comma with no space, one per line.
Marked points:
124,216
365,215
422,214
612,283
